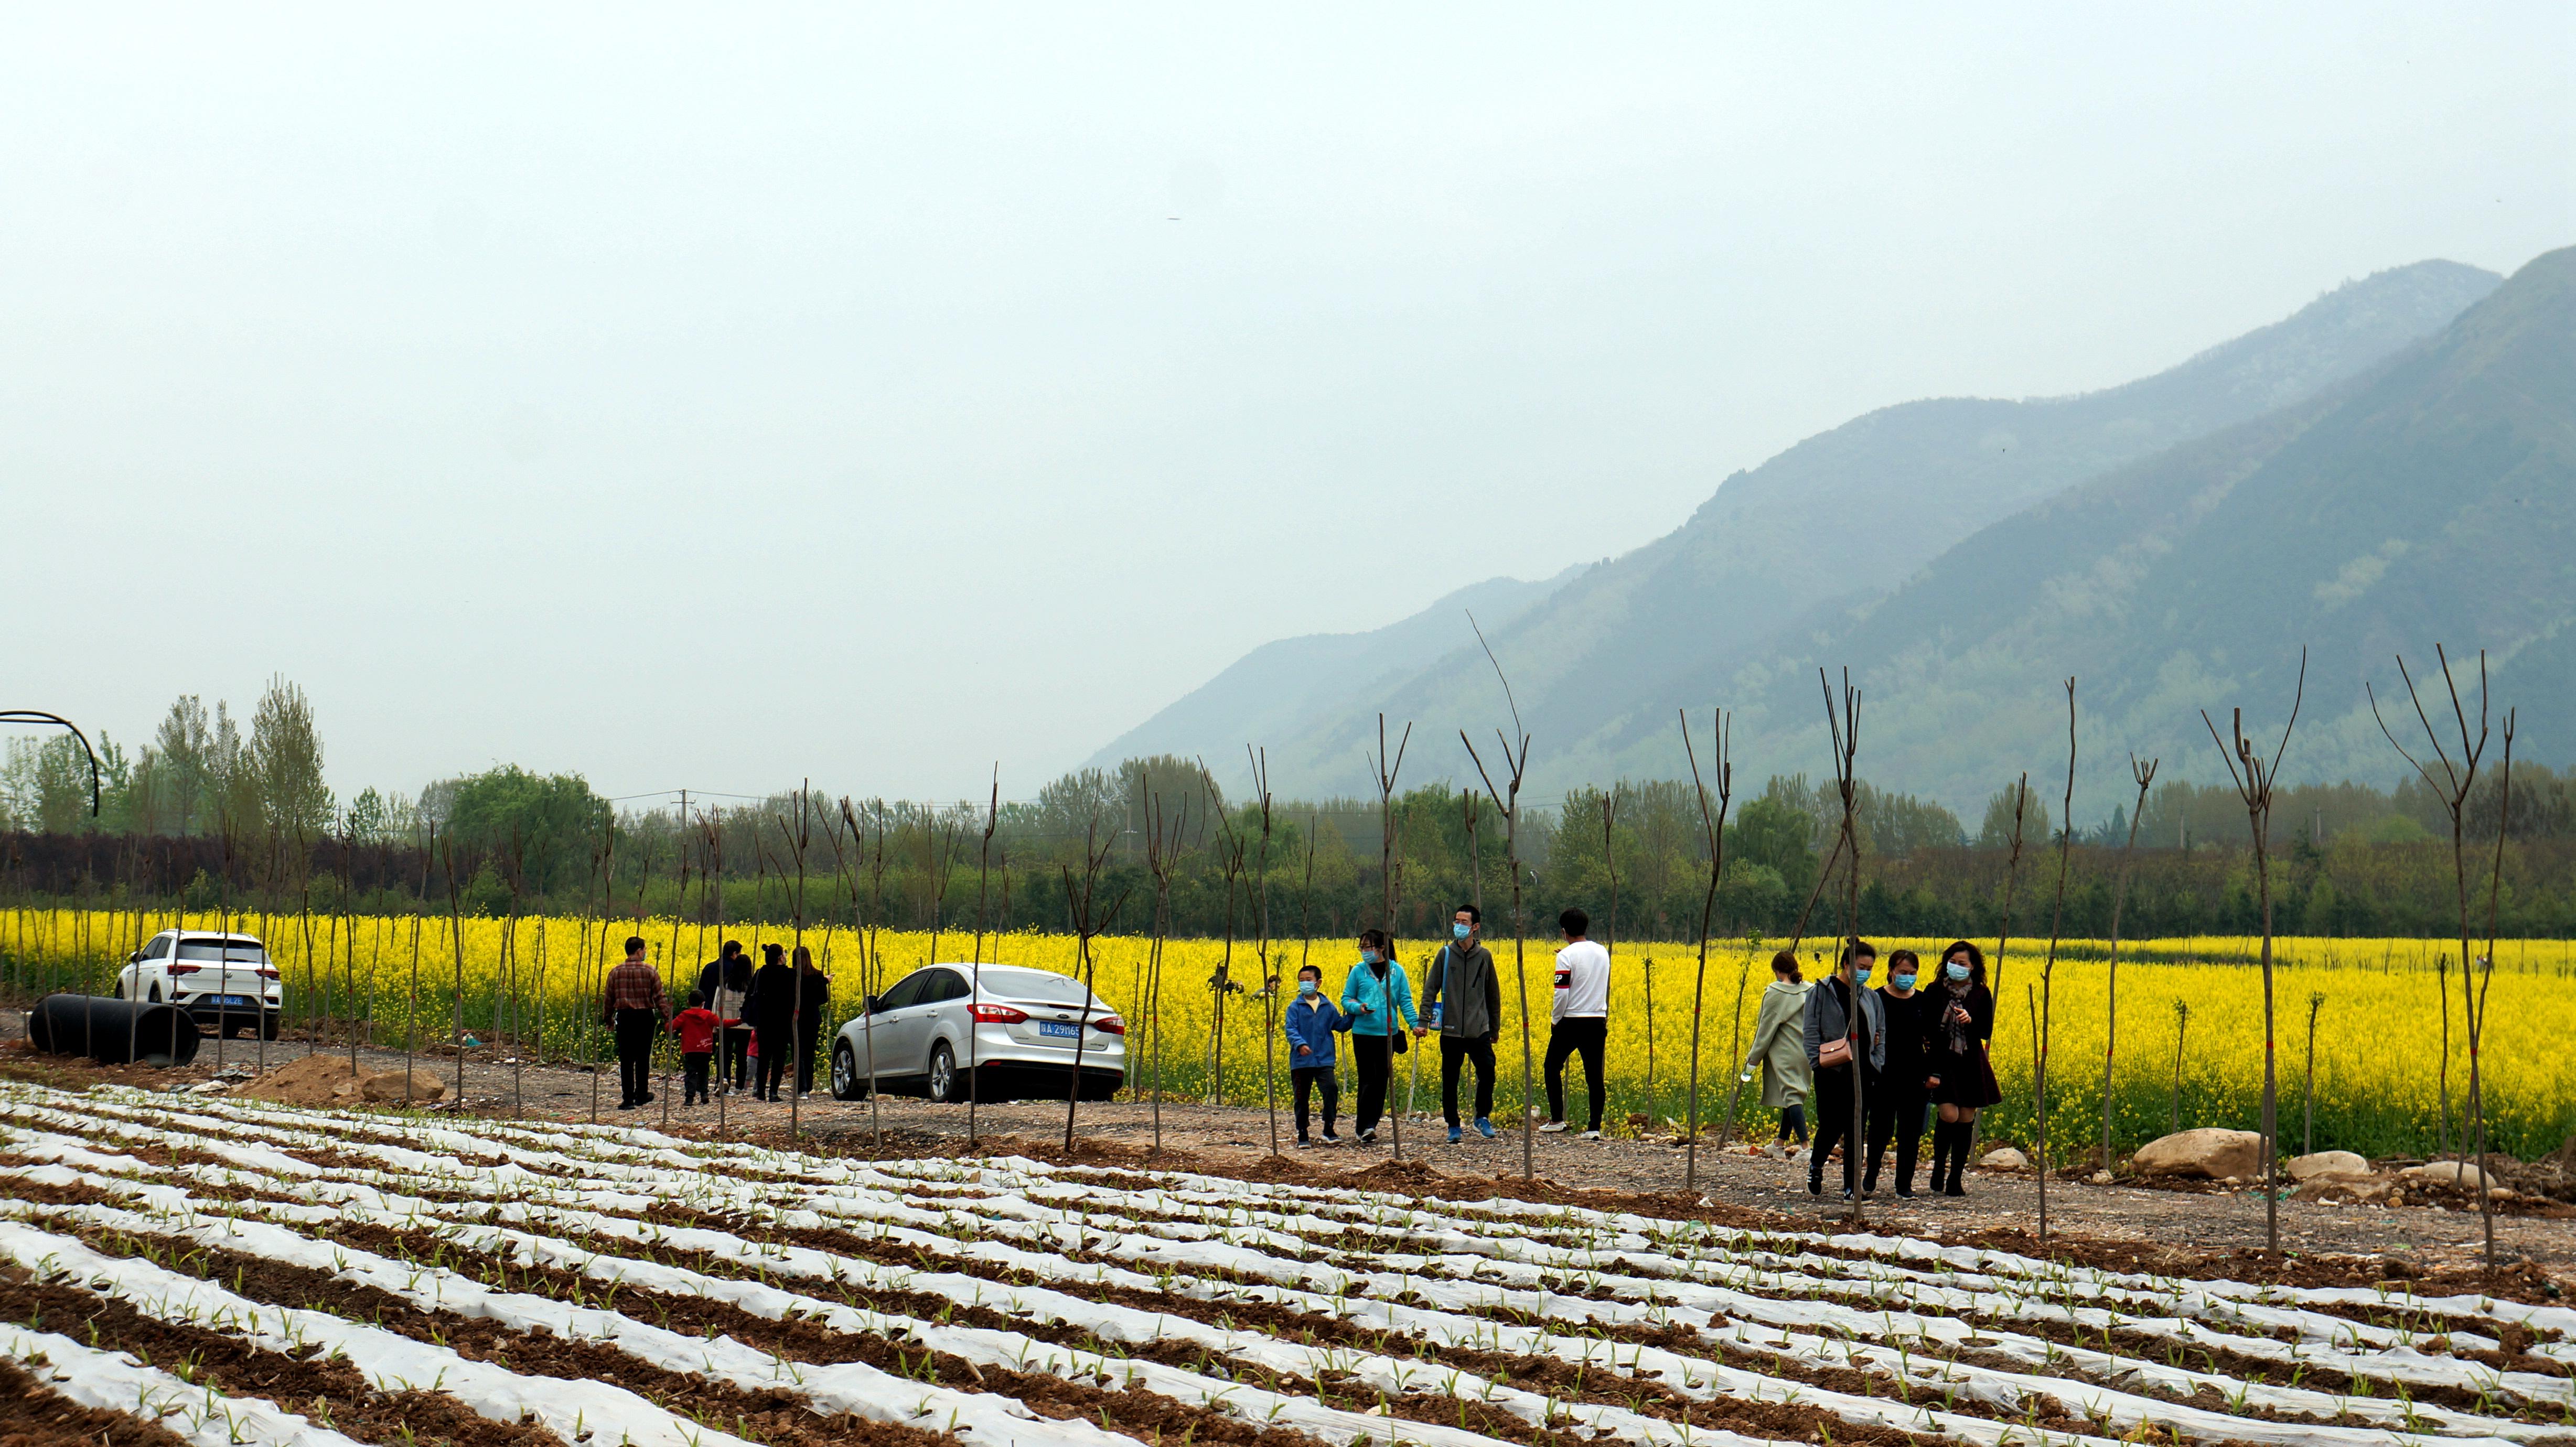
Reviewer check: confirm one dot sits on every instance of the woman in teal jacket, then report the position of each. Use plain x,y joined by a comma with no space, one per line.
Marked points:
1375,996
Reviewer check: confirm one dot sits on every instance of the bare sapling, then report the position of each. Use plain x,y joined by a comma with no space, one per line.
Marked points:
800,1062
1713,827
1090,921
2486,978
1162,850
2040,1017
2308,1093
2254,778
1843,729
975,972
1506,800
1260,759
2144,774
1385,769
869,984
1221,985
456,940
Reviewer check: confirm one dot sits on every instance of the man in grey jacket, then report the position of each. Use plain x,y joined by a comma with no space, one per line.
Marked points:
1464,997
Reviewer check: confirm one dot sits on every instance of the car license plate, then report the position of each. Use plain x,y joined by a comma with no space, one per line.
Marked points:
1058,1030
242,1002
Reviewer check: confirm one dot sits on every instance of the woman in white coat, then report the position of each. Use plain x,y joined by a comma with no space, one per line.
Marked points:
1779,1047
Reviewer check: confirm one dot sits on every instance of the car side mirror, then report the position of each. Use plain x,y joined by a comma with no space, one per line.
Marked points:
134,958
868,1006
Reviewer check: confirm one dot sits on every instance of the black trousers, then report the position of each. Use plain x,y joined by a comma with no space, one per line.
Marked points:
809,1034
734,1055
693,1076
636,1032
1374,1060
1309,1079
774,1045
1898,1112
1590,1035
1455,1051
1833,1102
1793,1123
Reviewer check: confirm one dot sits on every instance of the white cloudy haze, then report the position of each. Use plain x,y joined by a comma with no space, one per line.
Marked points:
713,396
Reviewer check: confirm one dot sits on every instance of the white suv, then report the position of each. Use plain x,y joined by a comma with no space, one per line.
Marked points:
225,982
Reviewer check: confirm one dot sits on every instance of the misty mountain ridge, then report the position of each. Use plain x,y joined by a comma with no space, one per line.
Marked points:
1602,656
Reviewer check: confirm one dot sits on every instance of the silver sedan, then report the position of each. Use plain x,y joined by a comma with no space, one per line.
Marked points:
1020,1033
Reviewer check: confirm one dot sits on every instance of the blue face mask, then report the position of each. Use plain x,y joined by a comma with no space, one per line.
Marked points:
1902,982
1956,972
1459,931
1305,987
1862,973
1368,957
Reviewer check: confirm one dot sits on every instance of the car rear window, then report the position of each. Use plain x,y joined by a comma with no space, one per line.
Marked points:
1041,985
239,952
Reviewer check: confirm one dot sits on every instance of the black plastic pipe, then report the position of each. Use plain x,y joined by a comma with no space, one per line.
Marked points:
113,1032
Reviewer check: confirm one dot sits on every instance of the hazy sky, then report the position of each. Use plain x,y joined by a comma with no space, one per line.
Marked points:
714,396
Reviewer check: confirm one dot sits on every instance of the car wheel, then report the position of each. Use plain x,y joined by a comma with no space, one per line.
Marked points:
268,1028
155,997
120,991
846,1081
942,1080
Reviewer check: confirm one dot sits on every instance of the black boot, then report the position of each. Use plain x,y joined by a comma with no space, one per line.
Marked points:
1960,1133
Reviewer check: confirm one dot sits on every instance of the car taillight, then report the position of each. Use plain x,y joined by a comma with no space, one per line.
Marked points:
997,1014
267,974
1110,1025
185,969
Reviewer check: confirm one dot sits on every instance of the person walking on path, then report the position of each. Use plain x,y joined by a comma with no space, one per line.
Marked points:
1311,1022
1837,1065
1895,1105
1780,1048
813,1002
1374,995
733,1034
1962,1078
1578,1020
1462,998
771,1011
696,1027
635,1007
712,977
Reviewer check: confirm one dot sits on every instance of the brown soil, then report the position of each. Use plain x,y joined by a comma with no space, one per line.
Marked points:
33,1415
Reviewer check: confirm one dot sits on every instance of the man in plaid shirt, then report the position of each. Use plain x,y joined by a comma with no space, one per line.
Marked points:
637,1006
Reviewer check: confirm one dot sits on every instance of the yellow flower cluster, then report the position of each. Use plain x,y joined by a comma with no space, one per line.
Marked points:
2190,1037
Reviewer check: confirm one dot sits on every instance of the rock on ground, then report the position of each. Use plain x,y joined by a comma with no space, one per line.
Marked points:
2208,1152
2327,1163
388,1087
2005,1158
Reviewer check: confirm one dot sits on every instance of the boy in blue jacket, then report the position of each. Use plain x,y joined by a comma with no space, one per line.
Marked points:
1311,1022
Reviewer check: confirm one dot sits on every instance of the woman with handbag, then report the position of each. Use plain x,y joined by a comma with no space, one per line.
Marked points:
1841,1063
1959,1024
1375,996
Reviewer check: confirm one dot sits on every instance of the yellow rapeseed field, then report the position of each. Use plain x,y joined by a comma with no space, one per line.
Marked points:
2379,1008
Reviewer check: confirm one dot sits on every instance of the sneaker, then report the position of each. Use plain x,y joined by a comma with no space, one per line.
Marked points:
1553,1127
1484,1128
1368,1137
1593,1134
645,1099
1456,1135
1304,1144
1331,1139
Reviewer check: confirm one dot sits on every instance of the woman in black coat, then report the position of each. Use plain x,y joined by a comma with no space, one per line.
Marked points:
771,1011
814,1000
1959,1023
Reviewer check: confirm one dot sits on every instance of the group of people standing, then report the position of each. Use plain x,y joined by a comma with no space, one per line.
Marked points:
741,1028
1462,1001
1914,1047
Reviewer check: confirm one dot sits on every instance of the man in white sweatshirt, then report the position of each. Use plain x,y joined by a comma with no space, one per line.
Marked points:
1579,1020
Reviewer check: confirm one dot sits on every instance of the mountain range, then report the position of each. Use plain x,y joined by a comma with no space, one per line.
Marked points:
2384,469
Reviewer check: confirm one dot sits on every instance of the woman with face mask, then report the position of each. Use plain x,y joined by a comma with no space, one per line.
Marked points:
1896,1108
1961,1021
1377,1001
1835,1009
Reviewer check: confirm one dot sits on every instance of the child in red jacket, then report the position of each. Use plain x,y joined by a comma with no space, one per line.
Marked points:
696,1027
